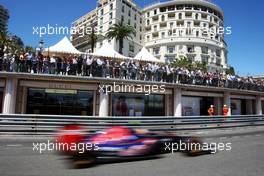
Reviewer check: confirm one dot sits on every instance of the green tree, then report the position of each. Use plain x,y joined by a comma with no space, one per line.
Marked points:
198,65
29,49
15,44
3,38
230,70
93,37
120,32
183,62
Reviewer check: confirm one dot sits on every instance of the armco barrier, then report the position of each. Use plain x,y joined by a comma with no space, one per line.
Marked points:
48,124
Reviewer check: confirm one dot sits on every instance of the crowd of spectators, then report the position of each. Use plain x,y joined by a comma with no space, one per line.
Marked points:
129,69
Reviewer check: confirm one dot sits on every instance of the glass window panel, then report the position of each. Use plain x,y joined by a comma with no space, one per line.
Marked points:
59,102
138,105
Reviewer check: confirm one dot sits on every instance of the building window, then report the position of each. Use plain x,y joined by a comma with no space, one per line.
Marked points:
156,51
148,38
129,22
163,9
171,25
102,12
148,14
162,18
190,49
180,16
163,35
59,102
170,59
129,13
111,6
123,9
196,16
204,16
218,53
122,18
204,59
170,49
155,12
131,48
204,9
204,50
155,28
218,62
148,22
188,24
101,20
111,16
196,106
135,18
138,105
171,8
180,7
169,32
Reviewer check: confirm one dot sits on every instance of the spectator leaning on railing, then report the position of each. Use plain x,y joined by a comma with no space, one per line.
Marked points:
130,69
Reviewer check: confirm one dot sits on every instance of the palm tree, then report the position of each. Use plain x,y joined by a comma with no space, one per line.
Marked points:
120,32
93,37
3,38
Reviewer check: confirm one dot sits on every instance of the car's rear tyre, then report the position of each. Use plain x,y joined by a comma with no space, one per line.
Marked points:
83,160
194,151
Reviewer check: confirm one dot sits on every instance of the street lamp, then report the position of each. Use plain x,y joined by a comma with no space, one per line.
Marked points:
41,44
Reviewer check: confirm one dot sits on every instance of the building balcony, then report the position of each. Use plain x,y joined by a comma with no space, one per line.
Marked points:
155,18
191,53
147,28
163,24
205,54
171,15
188,15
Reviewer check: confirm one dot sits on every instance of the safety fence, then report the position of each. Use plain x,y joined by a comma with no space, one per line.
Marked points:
48,124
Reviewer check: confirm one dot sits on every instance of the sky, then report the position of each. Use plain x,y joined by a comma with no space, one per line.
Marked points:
245,44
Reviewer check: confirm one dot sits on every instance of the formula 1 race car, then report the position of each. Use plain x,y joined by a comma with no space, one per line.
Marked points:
121,143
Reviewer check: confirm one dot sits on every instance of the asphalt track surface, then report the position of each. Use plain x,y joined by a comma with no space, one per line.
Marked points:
246,158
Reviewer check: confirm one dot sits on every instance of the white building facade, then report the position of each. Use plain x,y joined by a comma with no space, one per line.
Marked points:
168,30
174,29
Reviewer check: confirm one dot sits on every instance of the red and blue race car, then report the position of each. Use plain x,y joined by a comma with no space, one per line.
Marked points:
120,143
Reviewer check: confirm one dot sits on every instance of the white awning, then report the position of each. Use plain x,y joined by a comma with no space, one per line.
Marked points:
107,50
144,55
63,46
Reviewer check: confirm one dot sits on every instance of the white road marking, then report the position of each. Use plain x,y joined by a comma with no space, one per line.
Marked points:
223,138
14,145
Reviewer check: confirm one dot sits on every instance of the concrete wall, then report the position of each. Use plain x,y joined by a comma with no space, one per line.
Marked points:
16,85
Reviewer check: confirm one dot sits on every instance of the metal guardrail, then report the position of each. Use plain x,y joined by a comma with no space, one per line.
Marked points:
48,124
